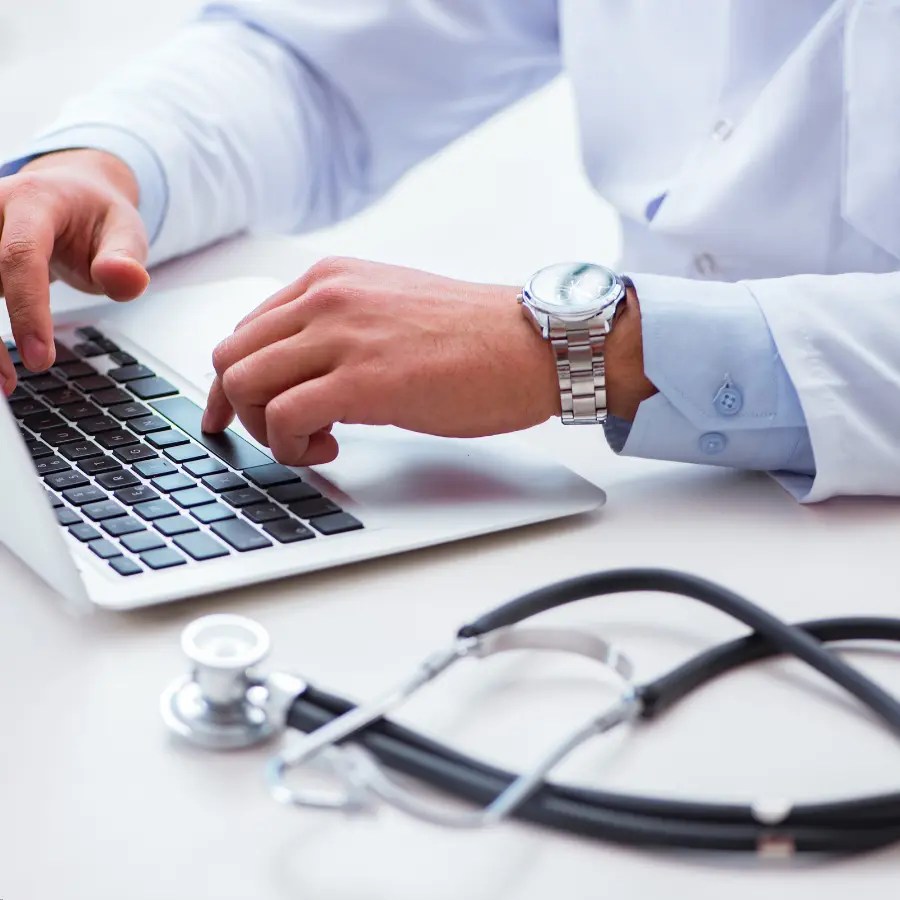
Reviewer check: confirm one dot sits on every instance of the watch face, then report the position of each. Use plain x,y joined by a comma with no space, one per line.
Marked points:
572,290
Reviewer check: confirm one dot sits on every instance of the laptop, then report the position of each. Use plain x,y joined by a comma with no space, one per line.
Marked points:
115,497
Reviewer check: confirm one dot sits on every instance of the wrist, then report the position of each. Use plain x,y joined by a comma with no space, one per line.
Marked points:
626,384
95,163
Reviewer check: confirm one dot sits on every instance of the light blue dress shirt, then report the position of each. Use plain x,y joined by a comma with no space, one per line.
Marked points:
221,128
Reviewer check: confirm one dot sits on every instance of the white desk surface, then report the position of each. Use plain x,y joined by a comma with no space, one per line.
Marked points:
97,803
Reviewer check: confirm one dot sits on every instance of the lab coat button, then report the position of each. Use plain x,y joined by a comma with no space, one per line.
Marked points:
704,264
722,130
712,443
729,400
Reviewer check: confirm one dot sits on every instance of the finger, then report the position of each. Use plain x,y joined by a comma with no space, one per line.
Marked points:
323,448
252,382
294,416
26,245
7,371
219,413
118,264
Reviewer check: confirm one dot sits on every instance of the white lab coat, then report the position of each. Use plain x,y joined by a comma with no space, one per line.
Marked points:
771,127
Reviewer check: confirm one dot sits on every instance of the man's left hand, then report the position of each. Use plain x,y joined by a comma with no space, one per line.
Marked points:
365,343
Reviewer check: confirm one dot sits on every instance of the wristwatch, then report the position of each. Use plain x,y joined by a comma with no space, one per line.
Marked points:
573,306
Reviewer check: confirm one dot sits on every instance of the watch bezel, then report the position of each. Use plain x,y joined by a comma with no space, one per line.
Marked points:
546,308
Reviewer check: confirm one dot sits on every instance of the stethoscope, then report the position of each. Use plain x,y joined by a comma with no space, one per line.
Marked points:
224,703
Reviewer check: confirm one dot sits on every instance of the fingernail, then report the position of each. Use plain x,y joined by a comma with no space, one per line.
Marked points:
34,351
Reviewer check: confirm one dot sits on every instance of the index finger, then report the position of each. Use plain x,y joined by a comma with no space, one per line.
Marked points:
26,245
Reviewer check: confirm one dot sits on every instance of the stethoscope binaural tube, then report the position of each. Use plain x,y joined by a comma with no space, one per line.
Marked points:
837,827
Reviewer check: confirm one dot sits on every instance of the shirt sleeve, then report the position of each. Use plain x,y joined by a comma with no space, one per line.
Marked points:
725,397
288,115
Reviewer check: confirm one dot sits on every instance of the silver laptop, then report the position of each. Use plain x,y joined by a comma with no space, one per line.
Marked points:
132,505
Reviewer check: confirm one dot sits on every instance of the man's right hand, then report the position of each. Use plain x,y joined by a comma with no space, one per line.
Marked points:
70,215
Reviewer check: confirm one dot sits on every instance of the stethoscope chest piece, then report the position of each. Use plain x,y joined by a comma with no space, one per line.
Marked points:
223,703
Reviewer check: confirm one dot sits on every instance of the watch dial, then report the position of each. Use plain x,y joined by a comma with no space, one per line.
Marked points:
571,288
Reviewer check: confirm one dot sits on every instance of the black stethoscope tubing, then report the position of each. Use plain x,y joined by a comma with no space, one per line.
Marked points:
843,826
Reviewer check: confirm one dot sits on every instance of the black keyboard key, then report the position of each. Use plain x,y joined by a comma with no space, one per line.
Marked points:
153,468
99,464
148,424
263,512
43,384
206,466
93,383
122,526
64,354
336,523
42,421
141,541
200,546
80,450
212,512
106,345
78,369
54,501
104,549
29,407
163,439
98,424
78,411
151,388
84,532
140,493
88,349
88,332
24,374
174,482
79,496
234,450
64,480
115,481
19,393
287,531
155,509
112,439
130,373
243,497
134,453
65,434
162,559
270,475
38,450
185,453
111,397
240,535
100,512
290,493
306,509
50,464
122,358
62,397
226,481
128,411
66,516
125,566
192,497
172,525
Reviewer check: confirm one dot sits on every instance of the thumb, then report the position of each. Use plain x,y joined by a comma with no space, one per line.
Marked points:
118,265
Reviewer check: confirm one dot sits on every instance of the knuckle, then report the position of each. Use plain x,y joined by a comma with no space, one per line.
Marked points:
220,358
329,267
27,184
235,383
18,251
278,416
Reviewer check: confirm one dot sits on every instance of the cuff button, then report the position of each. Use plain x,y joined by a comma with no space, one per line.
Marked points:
729,400
713,443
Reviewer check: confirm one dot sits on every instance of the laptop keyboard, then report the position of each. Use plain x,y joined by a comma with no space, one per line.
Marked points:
131,475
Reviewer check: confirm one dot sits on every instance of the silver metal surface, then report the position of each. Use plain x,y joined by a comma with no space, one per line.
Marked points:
578,339
224,704
363,780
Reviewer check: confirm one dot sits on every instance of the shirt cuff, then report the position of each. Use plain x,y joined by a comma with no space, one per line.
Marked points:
725,397
132,150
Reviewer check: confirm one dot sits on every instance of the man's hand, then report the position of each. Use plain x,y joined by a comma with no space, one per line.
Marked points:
70,215
365,343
